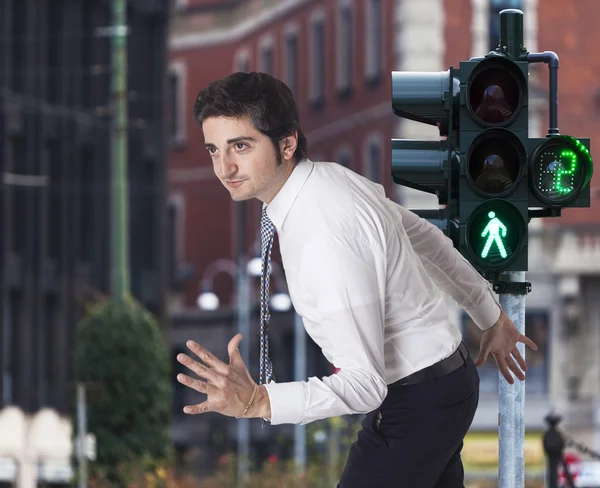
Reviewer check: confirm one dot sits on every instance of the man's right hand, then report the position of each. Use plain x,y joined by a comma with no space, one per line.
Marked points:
501,340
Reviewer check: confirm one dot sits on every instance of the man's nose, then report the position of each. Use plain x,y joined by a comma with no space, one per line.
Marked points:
228,166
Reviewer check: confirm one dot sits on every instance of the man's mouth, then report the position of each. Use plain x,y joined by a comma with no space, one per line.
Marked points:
235,184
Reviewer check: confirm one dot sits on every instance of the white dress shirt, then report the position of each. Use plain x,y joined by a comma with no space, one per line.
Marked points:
367,276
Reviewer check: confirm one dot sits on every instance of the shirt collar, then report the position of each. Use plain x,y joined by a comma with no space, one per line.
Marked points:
280,206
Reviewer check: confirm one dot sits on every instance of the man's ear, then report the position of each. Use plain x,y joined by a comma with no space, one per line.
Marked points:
288,145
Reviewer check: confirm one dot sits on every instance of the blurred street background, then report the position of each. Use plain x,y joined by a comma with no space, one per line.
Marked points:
187,253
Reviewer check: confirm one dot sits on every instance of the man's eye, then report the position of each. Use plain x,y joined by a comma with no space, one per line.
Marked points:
241,145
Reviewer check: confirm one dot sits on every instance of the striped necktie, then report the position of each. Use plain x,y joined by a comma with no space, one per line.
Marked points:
267,232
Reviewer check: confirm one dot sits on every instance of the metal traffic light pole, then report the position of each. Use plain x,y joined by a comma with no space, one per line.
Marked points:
512,289
511,424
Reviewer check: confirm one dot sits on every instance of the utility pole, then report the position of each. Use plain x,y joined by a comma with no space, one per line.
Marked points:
299,375
81,437
511,429
244,297
119,205
119,196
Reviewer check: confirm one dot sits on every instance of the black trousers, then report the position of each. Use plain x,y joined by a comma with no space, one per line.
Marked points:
414,439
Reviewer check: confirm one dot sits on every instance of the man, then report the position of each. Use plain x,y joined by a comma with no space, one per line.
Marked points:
367,276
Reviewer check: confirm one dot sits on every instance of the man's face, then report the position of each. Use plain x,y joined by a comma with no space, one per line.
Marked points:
244,159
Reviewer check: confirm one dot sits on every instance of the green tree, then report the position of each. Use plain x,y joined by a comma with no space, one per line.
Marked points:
122,358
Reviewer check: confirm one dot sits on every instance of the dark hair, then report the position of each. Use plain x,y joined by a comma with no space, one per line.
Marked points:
265,100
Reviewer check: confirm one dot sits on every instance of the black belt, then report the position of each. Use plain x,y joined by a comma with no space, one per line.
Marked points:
441,368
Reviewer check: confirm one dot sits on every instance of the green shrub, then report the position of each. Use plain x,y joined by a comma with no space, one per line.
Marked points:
122,358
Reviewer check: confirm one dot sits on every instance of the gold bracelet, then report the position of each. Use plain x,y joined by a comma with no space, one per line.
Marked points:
250,402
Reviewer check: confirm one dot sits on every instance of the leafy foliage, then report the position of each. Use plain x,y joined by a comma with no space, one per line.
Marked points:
122,358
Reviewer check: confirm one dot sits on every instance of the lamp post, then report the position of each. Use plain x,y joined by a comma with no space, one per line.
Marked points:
208,300
254,267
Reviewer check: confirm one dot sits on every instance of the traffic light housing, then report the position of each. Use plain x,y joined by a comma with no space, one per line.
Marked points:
490,228
431,98
489,175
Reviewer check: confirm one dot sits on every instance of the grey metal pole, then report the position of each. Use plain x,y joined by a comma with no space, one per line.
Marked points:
300,375
244,307
511,459
81,435
244,316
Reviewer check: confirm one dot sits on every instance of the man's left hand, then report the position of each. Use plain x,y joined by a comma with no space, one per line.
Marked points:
501,340
228,386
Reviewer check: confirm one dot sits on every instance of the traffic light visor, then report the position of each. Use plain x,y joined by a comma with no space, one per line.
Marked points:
495,233
496,92
560,168
496,161
421,96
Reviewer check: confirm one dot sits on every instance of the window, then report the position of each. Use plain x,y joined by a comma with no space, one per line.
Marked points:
317,53
242,61
18,192
291,60
47,337
176,99
374,50
344,47
266,55
373,158
56,197
175,229
86,199
495,7
344,156
537,329
10,346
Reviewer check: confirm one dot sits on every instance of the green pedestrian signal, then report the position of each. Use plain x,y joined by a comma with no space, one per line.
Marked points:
495,234
496,231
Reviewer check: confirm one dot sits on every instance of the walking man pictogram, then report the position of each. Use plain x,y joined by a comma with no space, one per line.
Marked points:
493,229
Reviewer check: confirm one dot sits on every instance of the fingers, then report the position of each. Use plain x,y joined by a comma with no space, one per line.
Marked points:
233,348
528,342
198,368
198,385
515,369
207,357
519,358
200,408
502,366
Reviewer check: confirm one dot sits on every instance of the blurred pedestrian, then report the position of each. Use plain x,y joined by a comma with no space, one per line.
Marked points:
368,278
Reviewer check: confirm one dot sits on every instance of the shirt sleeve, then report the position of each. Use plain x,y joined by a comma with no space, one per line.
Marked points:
343,279
452,273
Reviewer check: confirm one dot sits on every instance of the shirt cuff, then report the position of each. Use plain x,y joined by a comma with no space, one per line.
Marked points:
288,402
487,313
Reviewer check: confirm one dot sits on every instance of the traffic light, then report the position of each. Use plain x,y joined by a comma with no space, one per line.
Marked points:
490,228
486,170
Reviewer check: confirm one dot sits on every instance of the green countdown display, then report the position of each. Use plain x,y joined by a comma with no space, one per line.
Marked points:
495,233
560,168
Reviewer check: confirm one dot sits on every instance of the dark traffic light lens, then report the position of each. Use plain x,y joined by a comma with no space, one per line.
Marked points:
496,92
495,162
495,233
561,167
